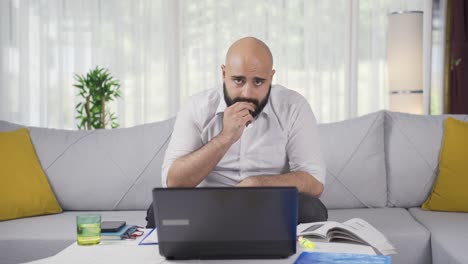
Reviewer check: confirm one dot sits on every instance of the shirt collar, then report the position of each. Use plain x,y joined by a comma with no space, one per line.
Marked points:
222,103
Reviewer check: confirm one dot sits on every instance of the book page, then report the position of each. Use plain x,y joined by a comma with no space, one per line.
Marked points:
316,229
341,248
338,234
366,232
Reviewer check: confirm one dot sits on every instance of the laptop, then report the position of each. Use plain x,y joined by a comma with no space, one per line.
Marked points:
226,223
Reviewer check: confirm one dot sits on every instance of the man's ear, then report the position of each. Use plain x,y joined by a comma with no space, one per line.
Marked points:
223,70
272,73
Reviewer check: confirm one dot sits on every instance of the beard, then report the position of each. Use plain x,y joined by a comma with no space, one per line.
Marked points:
258,105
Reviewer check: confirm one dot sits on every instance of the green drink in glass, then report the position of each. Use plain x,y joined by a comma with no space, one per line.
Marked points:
88,229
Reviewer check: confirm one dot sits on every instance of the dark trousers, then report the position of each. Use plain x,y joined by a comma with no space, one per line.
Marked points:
311,209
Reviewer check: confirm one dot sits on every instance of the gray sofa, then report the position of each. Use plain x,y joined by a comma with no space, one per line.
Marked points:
380,167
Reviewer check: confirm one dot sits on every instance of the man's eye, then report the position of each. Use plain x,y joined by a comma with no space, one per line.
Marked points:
258,83
238,81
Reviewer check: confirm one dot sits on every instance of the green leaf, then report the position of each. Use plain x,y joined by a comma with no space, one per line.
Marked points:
114,125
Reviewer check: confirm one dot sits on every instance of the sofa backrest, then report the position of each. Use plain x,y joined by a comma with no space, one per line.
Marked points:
412,146
102,169
377,160
353,151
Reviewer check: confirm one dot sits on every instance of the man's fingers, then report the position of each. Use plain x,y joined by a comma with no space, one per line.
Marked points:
239,106
240,114
244,113
247,119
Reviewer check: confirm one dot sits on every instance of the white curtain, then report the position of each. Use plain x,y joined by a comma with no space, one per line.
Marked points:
163,51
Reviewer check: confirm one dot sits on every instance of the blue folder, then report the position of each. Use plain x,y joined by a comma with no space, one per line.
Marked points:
341,258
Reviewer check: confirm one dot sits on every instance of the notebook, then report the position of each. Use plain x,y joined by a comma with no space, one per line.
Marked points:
115,235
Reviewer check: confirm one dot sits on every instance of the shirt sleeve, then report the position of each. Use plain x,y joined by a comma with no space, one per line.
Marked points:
184,140
303,145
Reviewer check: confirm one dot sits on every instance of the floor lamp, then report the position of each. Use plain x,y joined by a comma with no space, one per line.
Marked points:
405,57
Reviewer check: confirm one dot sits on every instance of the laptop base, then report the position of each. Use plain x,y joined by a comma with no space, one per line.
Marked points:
227,250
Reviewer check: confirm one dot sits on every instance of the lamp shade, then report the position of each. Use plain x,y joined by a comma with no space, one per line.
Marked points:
404,58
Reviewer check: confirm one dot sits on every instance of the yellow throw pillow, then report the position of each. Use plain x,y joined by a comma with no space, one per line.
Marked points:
450,191
25,189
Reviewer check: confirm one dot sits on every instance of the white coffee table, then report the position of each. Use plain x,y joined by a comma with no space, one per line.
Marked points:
128,252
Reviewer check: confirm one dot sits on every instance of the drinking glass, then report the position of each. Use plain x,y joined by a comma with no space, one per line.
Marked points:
88,229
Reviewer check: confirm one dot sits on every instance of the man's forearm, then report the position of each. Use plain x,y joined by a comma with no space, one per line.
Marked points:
301,180
190,170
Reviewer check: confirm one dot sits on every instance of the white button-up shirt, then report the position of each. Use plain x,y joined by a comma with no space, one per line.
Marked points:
282,138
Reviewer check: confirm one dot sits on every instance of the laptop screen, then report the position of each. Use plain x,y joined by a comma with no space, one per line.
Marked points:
227,216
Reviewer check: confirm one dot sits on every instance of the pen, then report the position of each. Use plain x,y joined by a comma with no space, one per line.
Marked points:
304,242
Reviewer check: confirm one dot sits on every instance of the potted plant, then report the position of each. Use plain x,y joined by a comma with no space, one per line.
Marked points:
97,88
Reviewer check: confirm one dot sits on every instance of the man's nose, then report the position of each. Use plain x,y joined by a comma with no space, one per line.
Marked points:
247,91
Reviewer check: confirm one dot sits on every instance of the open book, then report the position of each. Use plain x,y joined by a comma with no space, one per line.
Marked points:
355,230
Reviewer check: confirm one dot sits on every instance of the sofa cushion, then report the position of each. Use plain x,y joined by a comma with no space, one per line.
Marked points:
353,151
32,238
450,191
411,239
14,252
412,145
449,234
26,189
102,169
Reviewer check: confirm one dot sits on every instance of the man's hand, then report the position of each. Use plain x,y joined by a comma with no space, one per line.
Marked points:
249,182
236,117
303,181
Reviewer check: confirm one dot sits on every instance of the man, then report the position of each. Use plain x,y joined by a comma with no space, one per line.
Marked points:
248,133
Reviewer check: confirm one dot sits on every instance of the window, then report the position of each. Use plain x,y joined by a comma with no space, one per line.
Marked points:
163,51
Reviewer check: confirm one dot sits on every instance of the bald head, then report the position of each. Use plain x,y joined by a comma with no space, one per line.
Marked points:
251,50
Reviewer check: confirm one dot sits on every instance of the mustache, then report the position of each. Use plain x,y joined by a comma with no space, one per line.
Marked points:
245,99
